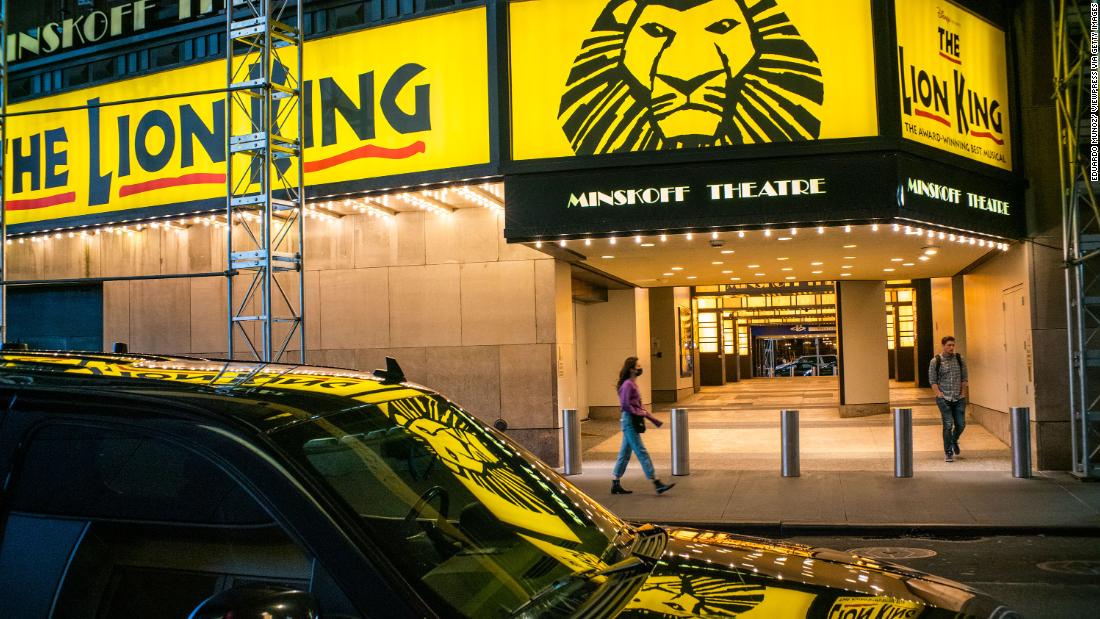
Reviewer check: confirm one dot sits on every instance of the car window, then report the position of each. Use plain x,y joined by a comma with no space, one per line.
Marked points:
466,516
127,525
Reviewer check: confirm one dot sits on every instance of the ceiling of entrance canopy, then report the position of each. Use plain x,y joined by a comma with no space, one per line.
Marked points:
783,255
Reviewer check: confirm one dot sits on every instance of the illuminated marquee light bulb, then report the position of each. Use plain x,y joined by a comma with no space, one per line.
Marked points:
794,231
690,236
613,240
767,232
664,237
821,229
874,227
561,243
896,227
847,228
638,238
538,244
588,242
740,234
714,235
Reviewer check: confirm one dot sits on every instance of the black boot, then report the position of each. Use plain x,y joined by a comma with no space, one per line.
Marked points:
662,487
617,488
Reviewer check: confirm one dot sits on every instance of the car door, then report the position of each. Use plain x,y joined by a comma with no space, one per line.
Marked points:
110,517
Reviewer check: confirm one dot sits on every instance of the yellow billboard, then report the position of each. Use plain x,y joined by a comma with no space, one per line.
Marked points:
954,81
374,106
591,77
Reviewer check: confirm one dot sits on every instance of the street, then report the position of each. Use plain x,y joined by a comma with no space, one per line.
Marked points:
1039,576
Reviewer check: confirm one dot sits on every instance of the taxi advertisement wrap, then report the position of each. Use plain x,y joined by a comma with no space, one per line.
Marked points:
609,76
953,81
375,105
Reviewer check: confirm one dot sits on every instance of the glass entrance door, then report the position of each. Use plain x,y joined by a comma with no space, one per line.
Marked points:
796,356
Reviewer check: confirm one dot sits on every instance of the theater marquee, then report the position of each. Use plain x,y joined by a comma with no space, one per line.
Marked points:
590,77
376,105
953,79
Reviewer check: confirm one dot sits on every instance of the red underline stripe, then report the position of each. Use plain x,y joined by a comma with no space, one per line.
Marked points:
198,178
986,134
364,152
33,203
933,117
954,60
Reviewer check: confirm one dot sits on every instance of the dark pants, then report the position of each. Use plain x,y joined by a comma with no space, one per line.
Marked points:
953,415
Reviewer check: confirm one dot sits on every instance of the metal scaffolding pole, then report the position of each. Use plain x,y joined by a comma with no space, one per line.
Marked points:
1080,229
264,194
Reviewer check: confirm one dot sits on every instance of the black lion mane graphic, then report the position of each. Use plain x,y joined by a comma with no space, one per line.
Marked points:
775,97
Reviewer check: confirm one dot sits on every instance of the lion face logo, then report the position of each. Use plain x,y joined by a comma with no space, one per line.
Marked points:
666,74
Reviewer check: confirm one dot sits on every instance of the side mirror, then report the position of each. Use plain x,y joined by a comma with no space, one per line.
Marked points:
258,602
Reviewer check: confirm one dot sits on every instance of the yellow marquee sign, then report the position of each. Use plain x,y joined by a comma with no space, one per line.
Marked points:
606,76
954,85
400,99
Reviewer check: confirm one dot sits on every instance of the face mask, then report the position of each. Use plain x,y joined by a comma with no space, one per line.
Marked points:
638,372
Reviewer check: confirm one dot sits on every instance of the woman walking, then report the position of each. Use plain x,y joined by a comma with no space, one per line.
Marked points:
632,422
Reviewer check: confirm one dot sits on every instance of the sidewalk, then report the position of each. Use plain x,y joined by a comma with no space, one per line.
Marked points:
846,472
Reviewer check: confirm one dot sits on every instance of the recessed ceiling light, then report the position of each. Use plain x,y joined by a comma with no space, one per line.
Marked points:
647,244
845,274
931,251
897,259
677,269
726,272
758,274
607,257
735,279
668,274
889,270
784,238
849,247
790,277
907,264
786,269
846,266
816,264
717,262
691,277
923,258
816,272
727,251
754,266
849,257
783,258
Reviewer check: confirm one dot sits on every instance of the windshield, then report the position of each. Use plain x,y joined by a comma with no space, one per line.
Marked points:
471,519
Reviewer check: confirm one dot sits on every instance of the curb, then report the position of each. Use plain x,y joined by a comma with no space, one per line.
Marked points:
935,530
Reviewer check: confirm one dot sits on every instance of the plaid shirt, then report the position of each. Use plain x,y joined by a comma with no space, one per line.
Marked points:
952,375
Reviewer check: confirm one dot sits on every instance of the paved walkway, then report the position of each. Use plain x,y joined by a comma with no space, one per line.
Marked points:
846,464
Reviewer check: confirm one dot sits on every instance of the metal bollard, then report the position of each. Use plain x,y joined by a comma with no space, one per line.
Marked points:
903,442
571,431
788,426
680,463
1021,441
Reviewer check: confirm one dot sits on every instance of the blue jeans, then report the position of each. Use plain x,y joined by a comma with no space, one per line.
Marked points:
953,415
632,441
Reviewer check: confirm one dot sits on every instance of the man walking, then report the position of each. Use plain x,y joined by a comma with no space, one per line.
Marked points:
948,377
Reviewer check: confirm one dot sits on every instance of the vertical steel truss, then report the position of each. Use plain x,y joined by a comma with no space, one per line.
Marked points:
1080,229
264,176
3,167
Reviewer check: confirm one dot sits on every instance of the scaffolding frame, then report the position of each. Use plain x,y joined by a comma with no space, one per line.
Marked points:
264,174
3,168
1080,230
